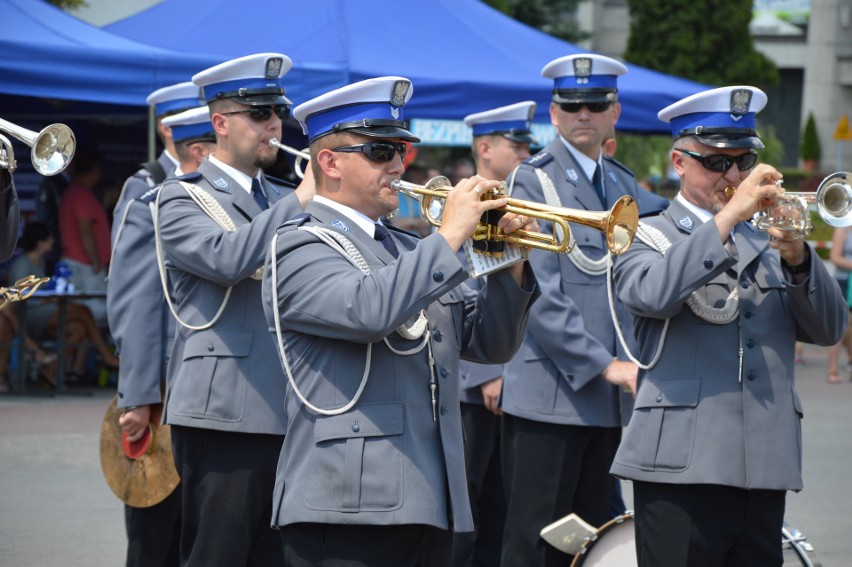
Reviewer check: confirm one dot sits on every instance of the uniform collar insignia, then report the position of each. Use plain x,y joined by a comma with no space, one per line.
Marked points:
612,176
220,183
339,224
572,175
685,222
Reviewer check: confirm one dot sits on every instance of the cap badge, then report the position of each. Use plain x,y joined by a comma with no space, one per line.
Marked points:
395,112
339,224
273,68
685,222
582,69
572,175
400,89
740,101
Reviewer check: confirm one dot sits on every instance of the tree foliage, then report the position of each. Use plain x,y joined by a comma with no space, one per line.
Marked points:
704,40
555,17
810,140
68,5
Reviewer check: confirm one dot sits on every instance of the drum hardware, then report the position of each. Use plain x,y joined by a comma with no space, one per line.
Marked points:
618,224
300,156
789,211
52,147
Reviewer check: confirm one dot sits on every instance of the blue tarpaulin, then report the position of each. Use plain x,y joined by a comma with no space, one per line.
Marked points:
461,55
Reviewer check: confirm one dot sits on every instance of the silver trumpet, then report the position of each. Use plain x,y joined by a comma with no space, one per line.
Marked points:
301,156
52,147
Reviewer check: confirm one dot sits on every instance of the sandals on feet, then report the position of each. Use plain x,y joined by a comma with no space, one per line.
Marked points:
834,378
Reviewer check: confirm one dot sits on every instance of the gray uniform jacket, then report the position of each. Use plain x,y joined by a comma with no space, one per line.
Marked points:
223,377
10,213
474,375
698,418
139,318
385,461
570,340
137,185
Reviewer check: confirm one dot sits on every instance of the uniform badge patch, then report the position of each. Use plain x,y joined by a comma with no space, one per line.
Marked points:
685,222
612,177
220,183
572,176
339,224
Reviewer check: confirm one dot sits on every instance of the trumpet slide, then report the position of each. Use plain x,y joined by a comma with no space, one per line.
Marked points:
52,147
618,224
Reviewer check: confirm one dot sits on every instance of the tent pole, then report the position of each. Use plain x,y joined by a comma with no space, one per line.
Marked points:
152,134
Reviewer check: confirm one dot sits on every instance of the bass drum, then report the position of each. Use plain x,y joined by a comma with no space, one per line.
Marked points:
614,545
797,551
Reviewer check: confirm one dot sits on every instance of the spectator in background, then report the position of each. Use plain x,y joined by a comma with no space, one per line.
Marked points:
47,198
841,257
460,169
408,216
84,229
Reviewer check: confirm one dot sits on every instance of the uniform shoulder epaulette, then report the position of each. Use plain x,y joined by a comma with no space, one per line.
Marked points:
193,176
618,164
279,181
150,195
401,230
539,159
297,220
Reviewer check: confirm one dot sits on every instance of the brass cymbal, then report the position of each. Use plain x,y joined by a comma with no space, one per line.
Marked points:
149,478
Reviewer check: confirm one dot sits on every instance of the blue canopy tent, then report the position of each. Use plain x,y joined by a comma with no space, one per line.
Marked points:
461,55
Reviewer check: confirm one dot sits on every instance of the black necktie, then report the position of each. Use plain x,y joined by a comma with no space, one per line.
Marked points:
597,181
257,194
383,236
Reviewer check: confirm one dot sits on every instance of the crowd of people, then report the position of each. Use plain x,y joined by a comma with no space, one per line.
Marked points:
340,391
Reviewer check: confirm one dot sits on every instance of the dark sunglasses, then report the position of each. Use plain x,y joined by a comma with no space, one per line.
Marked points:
376,151
594,107
262,113
721,163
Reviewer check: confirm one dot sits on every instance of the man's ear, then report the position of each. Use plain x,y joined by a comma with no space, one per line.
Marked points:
677,160
220,123
329,162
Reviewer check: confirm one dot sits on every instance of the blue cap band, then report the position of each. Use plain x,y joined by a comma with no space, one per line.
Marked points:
503,126
591,82
184,132
178,104
323,122
712,120
212,90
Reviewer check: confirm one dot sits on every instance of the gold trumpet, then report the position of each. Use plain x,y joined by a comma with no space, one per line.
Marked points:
789,211
300,156
52,147
20,290
618,224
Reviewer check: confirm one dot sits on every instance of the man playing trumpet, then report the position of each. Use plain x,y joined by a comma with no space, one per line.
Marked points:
715,438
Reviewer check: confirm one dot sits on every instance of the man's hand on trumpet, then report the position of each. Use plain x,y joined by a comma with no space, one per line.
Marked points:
758,189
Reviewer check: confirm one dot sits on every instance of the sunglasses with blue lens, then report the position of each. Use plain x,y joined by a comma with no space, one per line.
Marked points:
262,113
376,151
721,163
593,107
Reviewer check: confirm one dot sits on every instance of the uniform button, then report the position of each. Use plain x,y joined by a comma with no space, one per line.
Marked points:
747,313
437,335
355,427
708,263
749,343
438,276
744,284
443,409
659,398
210,347
751,375
444,372
120,395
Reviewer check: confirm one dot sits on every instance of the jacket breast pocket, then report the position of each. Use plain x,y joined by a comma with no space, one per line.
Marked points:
449,319
773,294
664,419
210,382
358,460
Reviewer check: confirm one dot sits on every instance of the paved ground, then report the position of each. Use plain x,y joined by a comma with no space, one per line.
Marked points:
56,509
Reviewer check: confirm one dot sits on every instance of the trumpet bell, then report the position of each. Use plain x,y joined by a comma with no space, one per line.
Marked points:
52,148
834,199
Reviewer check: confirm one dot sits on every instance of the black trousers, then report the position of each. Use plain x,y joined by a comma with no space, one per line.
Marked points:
153,533
227,480
338,545
687,525
481,547
550,471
